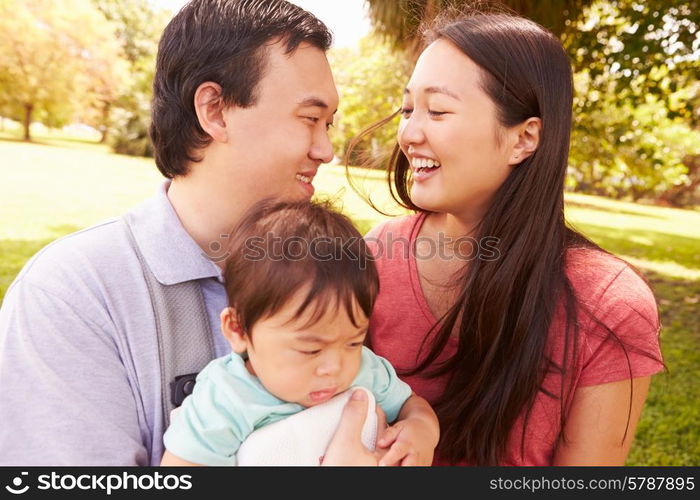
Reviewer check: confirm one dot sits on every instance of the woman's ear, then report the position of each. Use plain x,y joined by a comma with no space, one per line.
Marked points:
209,106
232,330
527,141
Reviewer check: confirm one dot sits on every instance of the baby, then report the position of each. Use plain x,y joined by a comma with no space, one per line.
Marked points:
301,285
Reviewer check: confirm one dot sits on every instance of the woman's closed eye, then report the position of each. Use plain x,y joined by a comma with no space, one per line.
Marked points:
406,112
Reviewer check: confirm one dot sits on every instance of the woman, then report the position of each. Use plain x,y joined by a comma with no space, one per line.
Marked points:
534,346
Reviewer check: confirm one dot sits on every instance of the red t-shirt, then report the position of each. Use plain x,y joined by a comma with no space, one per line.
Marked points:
606,285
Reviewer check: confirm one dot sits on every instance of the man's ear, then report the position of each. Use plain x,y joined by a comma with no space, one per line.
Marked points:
232,330
209,106
527,140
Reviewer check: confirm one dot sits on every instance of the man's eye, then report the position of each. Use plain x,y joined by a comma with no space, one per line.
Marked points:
312,119
436,113
406,112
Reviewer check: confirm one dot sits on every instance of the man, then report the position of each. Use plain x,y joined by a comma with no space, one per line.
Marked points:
243,96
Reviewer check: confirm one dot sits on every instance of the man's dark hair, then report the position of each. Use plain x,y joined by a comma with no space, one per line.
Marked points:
281,247
222,41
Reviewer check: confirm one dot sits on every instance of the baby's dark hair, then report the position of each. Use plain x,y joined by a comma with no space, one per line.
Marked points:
281,246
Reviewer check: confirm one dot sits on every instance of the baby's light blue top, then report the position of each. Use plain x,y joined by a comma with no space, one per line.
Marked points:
228,403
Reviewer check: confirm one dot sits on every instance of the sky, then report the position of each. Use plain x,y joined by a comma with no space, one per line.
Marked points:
347,19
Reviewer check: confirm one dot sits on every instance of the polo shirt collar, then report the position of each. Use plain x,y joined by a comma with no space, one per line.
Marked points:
170,252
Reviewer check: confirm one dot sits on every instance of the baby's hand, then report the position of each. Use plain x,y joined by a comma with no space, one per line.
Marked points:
412,441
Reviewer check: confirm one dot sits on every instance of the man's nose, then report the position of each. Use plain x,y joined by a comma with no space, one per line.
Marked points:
322,149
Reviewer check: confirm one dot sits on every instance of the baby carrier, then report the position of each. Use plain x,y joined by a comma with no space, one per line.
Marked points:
185,340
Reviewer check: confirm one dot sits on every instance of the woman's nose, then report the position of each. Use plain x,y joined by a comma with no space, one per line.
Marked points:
410,131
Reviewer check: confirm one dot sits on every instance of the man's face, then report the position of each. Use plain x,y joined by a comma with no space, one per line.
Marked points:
275,147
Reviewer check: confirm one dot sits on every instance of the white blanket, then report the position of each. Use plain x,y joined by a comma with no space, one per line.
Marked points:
302,439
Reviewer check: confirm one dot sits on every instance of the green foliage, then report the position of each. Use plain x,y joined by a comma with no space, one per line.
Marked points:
57,59
636,48
620,150
400,21
138,29
370,81
131,118
637,96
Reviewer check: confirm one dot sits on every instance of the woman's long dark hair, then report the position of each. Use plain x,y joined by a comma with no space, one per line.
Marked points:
504,309
506,305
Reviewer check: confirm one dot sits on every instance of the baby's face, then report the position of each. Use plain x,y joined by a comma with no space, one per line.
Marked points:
307,364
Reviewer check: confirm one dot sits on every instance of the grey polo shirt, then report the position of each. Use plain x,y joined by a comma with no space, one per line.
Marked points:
79,373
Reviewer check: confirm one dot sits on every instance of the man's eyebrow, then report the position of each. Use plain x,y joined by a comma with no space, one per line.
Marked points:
313,102
437,89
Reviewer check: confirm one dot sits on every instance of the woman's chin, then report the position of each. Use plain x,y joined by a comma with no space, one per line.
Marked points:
425,201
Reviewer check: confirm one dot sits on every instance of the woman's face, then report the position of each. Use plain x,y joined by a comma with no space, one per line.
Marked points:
448,122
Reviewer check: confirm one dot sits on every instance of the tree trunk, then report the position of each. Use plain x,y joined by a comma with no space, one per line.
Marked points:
105,122
28,108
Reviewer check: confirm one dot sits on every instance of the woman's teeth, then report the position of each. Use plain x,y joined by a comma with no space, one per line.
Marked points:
420,163
303,178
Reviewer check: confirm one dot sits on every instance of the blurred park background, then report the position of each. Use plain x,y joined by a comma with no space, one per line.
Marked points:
75,89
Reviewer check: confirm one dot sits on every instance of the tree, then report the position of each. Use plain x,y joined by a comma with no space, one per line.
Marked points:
138,29
621,150
642,48
400,21
637,96
56,58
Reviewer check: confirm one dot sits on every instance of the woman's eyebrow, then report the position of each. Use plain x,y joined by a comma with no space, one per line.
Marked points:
437,89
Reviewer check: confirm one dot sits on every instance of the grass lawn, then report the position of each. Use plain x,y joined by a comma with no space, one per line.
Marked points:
55,187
